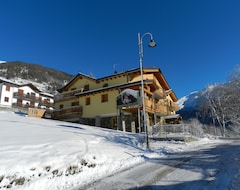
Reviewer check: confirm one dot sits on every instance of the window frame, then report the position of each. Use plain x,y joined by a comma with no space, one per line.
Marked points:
104,98
87,101
8,88
6,99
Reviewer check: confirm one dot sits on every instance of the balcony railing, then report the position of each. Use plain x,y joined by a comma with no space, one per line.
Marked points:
66,95
26,96
162,109
46,103
25,106
68,113
153,107
173,106
160,93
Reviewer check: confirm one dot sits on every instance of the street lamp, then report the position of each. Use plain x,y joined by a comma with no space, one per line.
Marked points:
140,44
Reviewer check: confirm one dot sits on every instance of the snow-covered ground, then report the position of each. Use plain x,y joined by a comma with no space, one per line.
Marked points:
46,154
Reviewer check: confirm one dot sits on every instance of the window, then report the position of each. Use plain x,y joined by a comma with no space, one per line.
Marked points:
27,105
75,104
86,87
32,104
104,97
105,85
7,88
20,91
88,102
6,99
47,100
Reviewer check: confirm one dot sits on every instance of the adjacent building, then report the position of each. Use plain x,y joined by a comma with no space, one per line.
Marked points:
22,97
116,101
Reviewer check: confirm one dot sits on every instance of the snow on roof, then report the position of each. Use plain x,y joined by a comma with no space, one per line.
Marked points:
8,81
171,116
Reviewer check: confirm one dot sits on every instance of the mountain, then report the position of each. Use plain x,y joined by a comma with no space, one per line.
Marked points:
189,104
44,78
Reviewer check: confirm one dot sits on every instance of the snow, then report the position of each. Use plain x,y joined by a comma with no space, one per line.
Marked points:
181,101
46,154
189,101
41,86
19,81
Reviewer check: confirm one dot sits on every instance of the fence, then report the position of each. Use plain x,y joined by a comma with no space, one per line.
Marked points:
176,131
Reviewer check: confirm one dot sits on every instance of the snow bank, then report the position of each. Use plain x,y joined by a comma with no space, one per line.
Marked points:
47,154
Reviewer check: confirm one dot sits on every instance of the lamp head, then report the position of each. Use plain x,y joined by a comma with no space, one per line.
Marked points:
152,43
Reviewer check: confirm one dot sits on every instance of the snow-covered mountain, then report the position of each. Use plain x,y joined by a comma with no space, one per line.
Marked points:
45,79
189,104
188,101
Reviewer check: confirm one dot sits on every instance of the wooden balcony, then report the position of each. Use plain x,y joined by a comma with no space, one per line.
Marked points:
173,106
24,106
161,109
26,97
67,95
46,103
159,94
74,112
153,107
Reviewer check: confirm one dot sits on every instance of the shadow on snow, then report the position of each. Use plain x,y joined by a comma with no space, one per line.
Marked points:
218,167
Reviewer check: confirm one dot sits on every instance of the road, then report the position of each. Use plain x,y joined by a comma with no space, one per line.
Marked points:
212,167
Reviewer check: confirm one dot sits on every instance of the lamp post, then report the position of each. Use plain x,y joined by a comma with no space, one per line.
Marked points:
140,44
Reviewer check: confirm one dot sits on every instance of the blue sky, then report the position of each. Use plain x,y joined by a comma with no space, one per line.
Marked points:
198,40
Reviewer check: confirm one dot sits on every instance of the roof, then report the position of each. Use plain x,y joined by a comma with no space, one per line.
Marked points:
125,85
74,79
174,116
6,81
31,86
157,72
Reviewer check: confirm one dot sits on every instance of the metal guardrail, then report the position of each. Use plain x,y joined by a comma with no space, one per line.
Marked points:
176,130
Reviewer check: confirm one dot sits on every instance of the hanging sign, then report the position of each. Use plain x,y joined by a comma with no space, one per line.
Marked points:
127,97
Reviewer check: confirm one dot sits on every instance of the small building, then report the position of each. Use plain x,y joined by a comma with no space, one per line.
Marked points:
116,101
22,97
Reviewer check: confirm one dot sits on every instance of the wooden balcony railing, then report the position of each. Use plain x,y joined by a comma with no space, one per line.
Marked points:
26,96
153,107
173,106
160,93
35,99
46,103
25,106
68,113
66,95
162,109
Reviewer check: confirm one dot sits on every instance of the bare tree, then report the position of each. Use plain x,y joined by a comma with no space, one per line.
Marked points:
221,103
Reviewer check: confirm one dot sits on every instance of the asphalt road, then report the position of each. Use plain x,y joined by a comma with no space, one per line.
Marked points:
214,166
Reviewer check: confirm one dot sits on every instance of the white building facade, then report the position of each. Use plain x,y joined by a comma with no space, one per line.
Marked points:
24,96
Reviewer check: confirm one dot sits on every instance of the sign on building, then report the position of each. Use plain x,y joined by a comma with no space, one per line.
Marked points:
127,97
